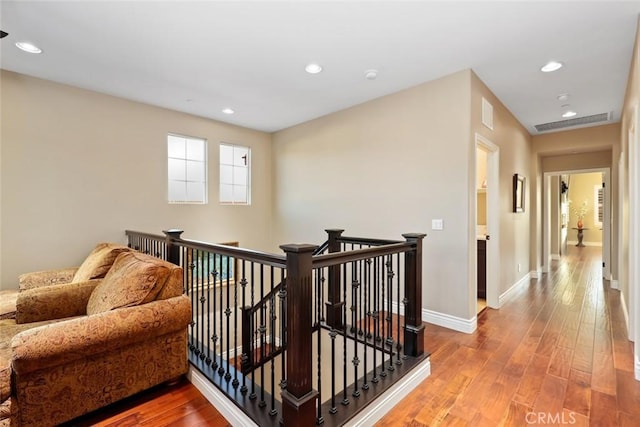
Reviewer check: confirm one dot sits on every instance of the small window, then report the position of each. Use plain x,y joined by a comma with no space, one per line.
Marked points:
187,167
598,203
235,177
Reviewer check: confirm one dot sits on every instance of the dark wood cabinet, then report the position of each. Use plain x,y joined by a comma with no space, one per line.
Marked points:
482,269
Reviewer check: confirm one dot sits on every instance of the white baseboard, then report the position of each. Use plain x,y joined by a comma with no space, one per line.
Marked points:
623,303
390,398
511,291
229,411
468,326
445,320
575,242
636,368
614,284
555,257
535,274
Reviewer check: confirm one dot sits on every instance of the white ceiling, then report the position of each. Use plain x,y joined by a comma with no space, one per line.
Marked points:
200,57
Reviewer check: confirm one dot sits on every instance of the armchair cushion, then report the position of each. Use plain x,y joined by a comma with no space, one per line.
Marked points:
99,261
54,302
38,279
134,279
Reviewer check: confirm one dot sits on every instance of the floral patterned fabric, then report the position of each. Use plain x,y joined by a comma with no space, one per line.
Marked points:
99,261
54,302
56,370
135,278
45,278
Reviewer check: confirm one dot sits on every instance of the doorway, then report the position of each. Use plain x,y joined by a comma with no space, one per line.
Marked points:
487,223
577,213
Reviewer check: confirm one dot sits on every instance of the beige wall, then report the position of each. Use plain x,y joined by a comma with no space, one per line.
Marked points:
514,143
629,135
390,166
80,167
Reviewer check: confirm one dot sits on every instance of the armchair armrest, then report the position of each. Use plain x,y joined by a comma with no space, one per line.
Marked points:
54,302
38,279
60,343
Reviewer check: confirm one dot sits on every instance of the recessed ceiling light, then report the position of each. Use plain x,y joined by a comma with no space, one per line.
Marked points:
313,68
28,47
563,97
569,114
371,74
551,66
228,111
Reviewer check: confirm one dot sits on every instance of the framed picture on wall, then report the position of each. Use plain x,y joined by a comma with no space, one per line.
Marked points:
518,192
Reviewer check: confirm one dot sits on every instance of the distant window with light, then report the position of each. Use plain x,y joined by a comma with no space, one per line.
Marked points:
598,203
235,174
187,167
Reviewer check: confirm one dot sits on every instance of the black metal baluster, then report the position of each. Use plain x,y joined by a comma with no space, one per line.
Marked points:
365,311
354,319
263,328
235,381
227,313
272,327
221,336
374,315
214,337
345,399
318,307
282,295
333,335
383,372
253,394
398,282
389,341
245,355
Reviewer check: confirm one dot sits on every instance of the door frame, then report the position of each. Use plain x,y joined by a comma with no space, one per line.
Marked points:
606,223
493,220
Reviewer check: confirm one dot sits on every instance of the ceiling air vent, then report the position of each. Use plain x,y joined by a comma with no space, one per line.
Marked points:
602,117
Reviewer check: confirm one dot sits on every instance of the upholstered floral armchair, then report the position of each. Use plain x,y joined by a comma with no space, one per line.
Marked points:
76,346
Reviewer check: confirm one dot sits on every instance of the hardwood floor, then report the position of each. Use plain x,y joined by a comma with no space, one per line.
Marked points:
556,353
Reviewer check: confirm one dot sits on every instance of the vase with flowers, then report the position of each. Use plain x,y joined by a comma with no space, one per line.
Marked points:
580,212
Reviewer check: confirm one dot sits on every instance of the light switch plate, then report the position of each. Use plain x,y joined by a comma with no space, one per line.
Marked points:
437,224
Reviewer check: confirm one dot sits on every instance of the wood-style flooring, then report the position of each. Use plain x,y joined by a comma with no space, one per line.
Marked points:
555,354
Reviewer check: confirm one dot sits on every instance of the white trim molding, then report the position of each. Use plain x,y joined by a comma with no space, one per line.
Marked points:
535,274
614,284
468,326
555,257
636,367
390,398
229,411
441,319
625,312
575,242
506,295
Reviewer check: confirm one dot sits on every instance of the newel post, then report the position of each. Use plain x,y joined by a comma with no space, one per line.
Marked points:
333,305
414,329
173,251
299,398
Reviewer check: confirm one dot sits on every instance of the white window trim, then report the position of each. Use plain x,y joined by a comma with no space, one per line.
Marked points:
248,186
204,199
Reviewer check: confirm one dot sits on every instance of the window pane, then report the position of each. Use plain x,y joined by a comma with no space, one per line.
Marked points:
195,192
176,146
239,194
226,174
226,193
195,149
240,175
177,191
226,154
195,171
177,169
240,156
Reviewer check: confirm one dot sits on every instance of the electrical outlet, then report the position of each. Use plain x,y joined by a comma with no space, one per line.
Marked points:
519,268
437,224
